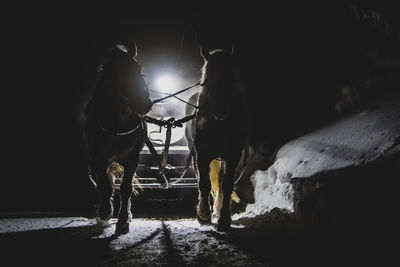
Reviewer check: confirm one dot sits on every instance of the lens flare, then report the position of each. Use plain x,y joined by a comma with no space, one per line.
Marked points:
165,84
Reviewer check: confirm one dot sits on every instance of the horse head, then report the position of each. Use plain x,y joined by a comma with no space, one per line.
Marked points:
218,77
121,80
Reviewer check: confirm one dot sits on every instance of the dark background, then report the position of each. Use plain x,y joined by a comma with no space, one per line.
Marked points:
293,59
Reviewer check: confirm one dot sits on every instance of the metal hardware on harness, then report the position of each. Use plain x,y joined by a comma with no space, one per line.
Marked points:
172,122
169,124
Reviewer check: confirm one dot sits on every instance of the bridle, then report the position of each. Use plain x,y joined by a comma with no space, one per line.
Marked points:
135,113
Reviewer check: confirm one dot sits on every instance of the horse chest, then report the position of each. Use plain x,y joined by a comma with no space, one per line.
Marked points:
220,138
226,129
117,148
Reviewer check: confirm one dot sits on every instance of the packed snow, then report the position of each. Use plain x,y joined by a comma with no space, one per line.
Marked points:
272,190
354,140
360,138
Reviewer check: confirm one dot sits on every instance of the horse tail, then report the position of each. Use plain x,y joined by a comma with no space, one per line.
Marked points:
216,178
235,197
217,173
136,185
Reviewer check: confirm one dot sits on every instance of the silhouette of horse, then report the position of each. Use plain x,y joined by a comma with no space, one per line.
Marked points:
114,130
218,133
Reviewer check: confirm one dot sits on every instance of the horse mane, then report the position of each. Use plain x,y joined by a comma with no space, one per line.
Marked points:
117,56
116,51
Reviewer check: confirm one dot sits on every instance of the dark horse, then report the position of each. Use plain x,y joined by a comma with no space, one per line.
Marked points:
114,130
218,133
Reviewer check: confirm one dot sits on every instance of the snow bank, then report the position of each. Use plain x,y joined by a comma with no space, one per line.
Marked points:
354,140
357,139
272,190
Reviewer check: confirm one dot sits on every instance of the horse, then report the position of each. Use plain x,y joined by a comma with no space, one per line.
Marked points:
217,134
115,131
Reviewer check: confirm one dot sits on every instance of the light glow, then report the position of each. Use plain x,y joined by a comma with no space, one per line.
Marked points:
166,84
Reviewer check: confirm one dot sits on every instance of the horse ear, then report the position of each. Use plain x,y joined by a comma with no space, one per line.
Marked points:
204,53
132,49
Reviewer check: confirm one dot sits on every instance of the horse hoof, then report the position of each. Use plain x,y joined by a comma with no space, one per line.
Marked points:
105,210
122,229
203,221
203,214
224,224
102,223
223,227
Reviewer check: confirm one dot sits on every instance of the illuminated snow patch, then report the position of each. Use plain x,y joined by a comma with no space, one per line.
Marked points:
272,190
11,225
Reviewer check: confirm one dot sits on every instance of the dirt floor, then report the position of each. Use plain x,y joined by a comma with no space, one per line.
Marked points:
273,239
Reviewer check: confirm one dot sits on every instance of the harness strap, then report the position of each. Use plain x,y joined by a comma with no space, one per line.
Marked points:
166,146
119,134
177,93
156,157
188,161
179,123
154,121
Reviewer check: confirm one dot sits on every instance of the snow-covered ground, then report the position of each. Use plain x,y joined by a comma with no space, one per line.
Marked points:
258,241
354,140
150,242
13,225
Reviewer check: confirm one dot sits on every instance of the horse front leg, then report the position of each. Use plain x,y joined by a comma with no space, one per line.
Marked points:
203,208
224,221
105,208
125,215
